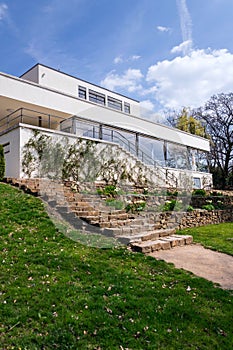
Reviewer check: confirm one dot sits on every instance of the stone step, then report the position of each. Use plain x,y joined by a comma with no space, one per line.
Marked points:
86,213
115,223
161,243
148,236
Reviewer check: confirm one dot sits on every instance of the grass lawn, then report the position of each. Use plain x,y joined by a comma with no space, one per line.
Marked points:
59,294
217,237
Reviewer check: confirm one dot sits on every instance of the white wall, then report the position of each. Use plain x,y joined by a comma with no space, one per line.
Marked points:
31,75
206,180
33,94
13,157
18,137
67,84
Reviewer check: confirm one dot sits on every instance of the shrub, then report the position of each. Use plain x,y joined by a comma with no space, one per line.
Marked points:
135,206
190,208
216,194
117,204
109,191
219,205
208,207
172,193
171,205
2,163
199,192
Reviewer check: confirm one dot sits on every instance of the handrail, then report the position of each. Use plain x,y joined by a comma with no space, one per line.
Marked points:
24,113
140,154
116,136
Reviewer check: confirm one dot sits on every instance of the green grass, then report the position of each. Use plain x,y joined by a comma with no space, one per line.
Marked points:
59,294
217,237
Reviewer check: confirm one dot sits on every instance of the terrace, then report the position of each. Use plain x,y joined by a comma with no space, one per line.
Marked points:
151,151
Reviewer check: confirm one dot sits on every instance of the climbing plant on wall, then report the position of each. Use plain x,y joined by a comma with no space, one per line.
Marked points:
2,163
80,161
43,156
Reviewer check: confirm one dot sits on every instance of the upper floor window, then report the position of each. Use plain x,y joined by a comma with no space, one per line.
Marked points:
82,92
96,97
127,107
114,103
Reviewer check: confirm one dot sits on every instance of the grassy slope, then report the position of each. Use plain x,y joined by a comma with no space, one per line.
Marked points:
58,294
217,237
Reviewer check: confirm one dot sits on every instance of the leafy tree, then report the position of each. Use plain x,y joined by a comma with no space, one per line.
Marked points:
185,121
217,114
2,163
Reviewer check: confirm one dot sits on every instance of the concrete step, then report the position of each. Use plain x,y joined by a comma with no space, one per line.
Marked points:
161,243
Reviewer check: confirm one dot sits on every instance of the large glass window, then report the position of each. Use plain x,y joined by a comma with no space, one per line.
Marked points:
86,129
198,160
107,134
177,156
114,103
201,161
96,97
152,150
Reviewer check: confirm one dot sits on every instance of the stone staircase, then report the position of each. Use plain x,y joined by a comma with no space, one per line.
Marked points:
89,213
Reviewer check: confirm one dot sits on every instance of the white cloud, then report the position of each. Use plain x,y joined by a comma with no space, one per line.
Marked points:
118,59
185,23
147,110
134,58
186,45
163,29
147,104
3,11
129,80
192,79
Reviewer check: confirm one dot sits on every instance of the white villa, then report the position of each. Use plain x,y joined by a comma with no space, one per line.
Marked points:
56,103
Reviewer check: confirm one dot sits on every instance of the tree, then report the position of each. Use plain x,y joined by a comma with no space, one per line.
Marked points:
185,121
2,163
217,114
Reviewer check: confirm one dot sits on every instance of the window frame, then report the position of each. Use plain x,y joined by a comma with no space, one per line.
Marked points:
127,107
114,103
82,92
97,97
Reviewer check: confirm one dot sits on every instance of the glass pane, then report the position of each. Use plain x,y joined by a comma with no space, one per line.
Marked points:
177,156
153,150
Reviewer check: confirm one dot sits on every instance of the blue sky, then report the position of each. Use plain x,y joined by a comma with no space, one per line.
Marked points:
164,53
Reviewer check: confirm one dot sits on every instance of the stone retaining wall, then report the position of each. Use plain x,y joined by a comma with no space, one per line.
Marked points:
181,220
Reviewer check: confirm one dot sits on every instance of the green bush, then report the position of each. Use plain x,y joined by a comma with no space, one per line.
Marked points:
108,191
216,194
171,205
117,204
199,192
135,206
208,207
219,205
2,163
190,208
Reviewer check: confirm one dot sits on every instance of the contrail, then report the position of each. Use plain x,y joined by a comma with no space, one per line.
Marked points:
185,24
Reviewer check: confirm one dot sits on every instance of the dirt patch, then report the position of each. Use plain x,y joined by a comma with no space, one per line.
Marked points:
206,263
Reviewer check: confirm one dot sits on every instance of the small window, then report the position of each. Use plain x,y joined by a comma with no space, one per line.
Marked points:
114,103
127,107
96,97
6,147
196,182
82,92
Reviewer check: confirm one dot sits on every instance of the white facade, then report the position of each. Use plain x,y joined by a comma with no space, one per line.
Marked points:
46,98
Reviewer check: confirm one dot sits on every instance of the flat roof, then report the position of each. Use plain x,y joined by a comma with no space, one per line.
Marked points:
72,76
